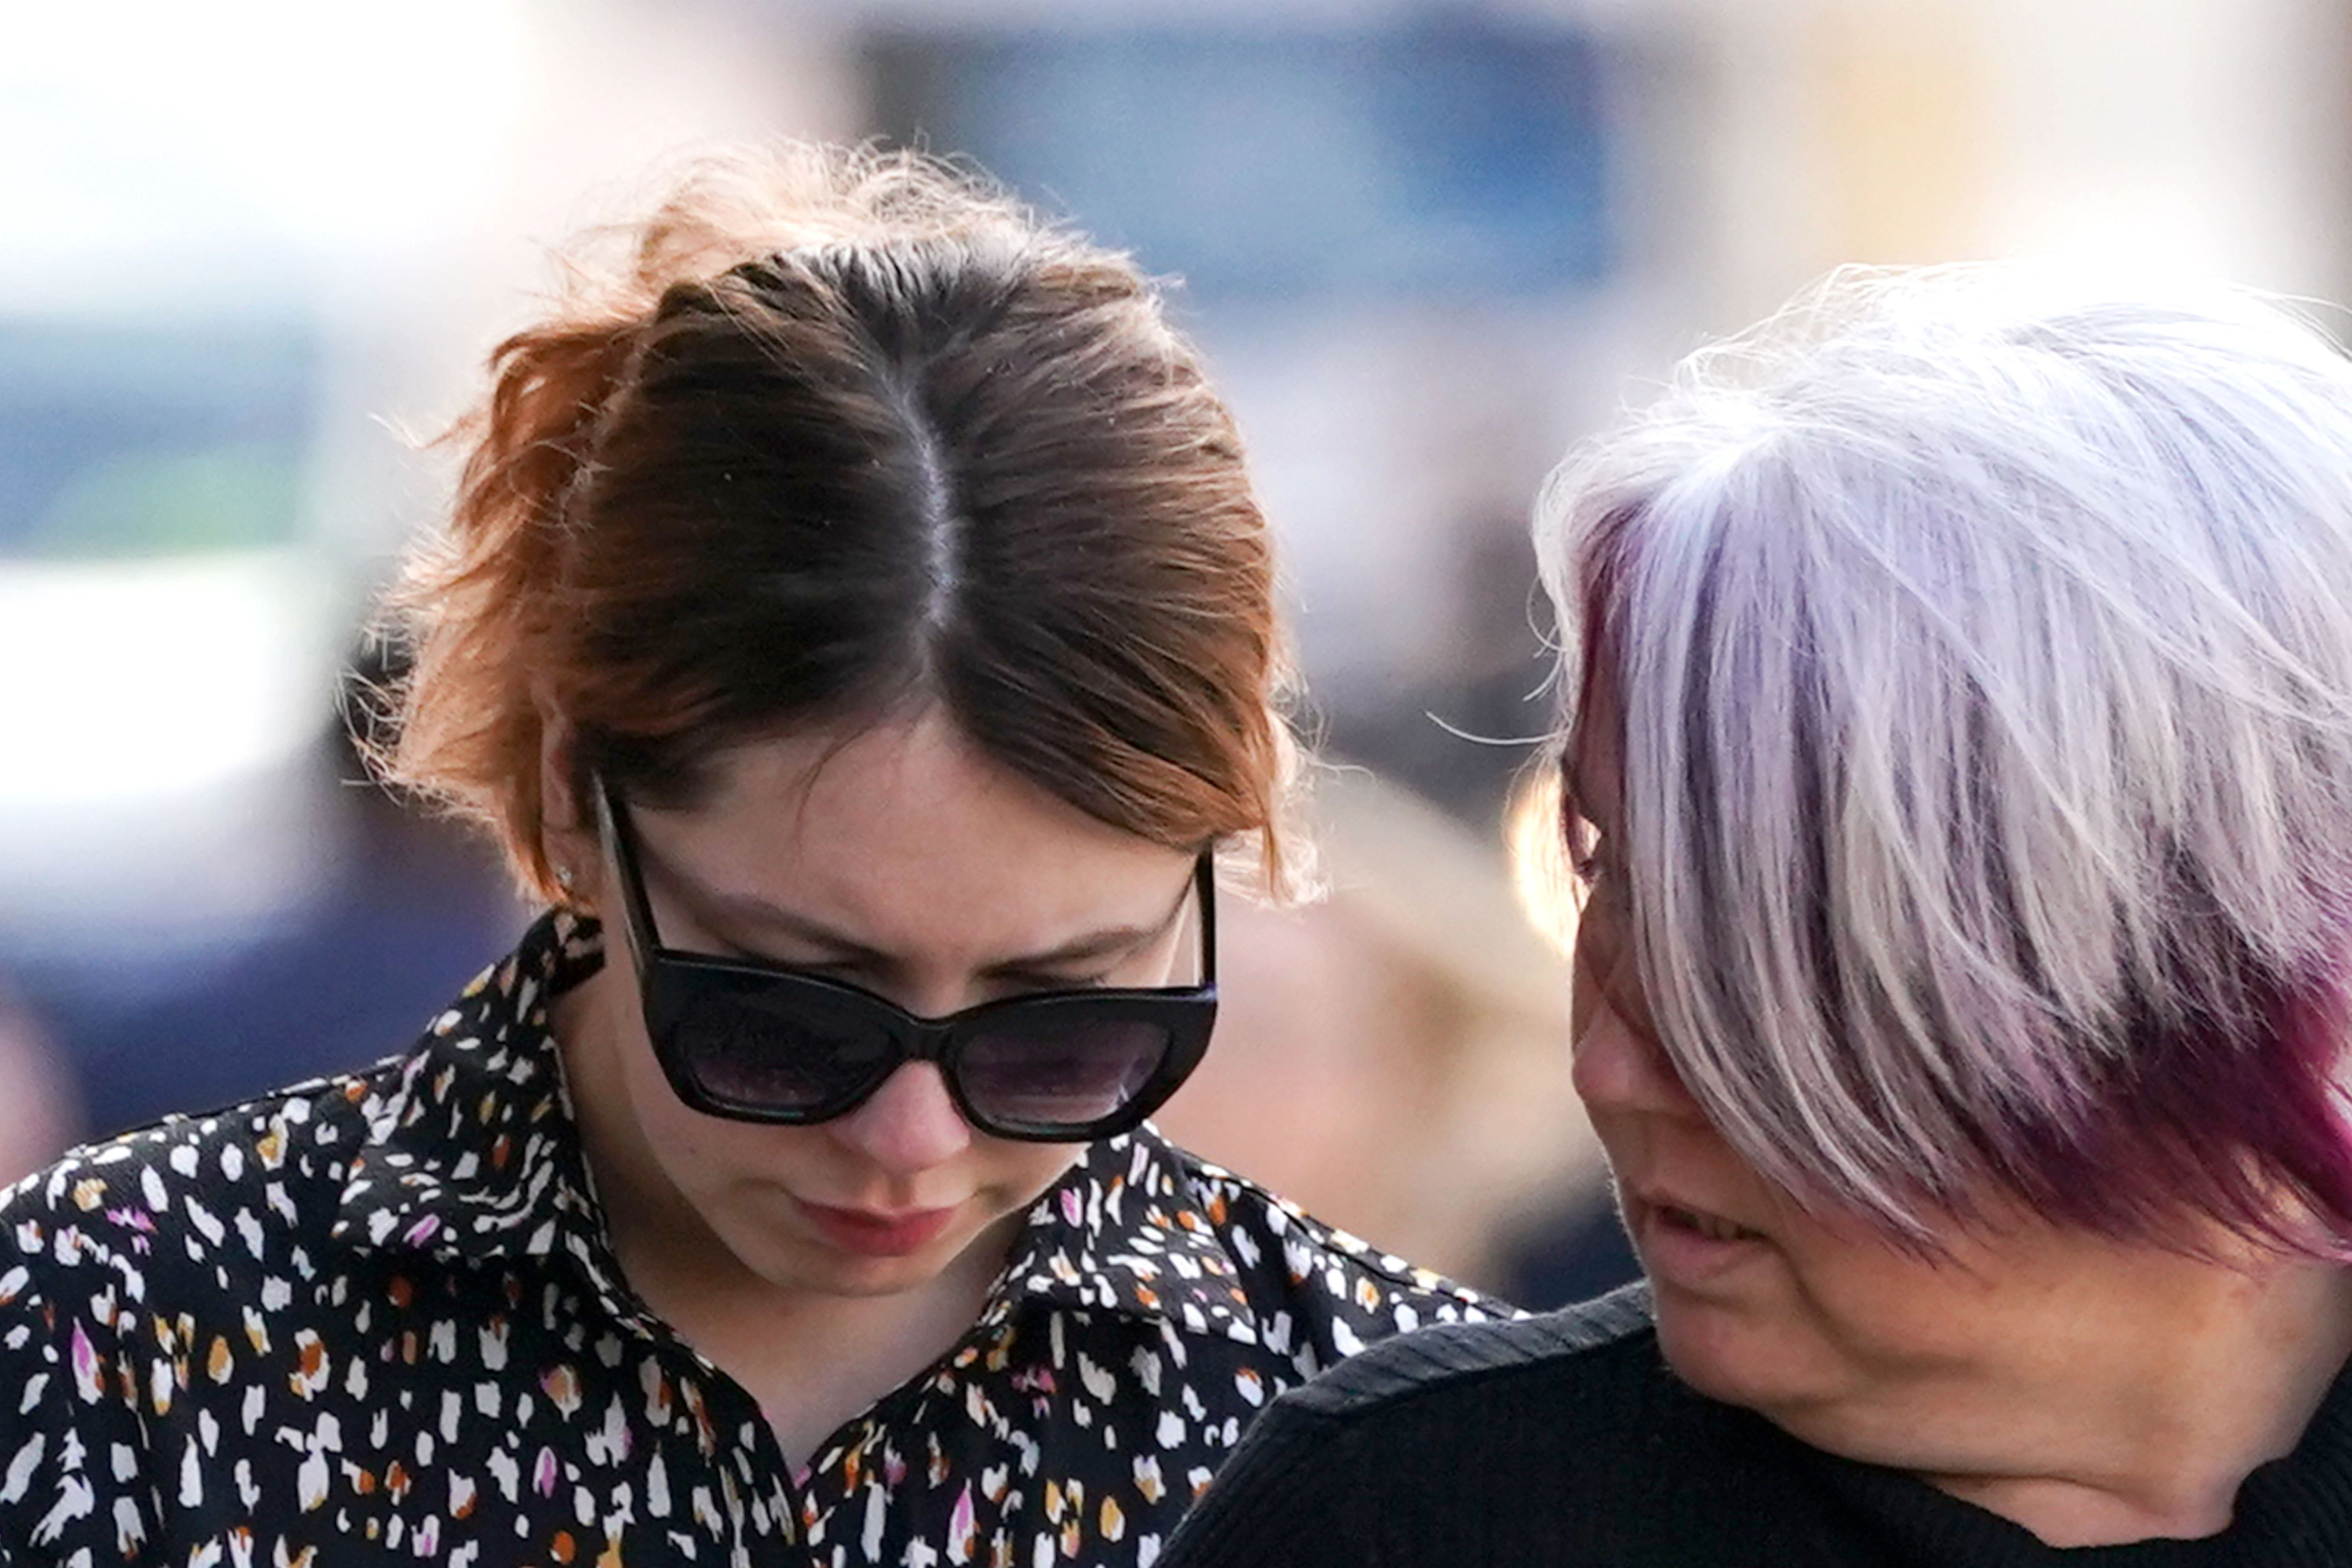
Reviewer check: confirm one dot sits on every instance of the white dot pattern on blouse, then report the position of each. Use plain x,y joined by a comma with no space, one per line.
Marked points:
378,1315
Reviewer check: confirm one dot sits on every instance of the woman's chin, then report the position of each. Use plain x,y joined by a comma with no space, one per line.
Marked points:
815,1271
857,1259
1730,1352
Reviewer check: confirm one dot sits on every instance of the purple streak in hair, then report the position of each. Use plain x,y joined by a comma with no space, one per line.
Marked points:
2236,1114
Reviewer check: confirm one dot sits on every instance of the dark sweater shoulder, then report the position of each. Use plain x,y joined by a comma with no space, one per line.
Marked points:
1608,1340
1566,1441
1559,1440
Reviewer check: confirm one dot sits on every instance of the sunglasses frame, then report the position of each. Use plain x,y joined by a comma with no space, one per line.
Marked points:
671,983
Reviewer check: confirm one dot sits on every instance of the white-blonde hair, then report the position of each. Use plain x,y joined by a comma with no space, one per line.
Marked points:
1982,639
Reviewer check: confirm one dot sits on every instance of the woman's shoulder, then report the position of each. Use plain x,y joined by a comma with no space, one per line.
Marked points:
1560,1440
203,1190
1582,1356
1141,1224
1318,1261
467,1125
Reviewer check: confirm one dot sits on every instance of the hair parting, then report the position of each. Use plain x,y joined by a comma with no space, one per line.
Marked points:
844,434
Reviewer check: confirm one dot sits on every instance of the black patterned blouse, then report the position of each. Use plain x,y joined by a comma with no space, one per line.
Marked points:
382,1308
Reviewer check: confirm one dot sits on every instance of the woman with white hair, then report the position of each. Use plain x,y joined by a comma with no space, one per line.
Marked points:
1958,754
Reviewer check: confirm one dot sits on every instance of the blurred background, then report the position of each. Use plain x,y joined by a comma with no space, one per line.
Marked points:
251,250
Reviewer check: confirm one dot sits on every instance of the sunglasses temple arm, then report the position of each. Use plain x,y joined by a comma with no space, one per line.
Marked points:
1206,883
611,816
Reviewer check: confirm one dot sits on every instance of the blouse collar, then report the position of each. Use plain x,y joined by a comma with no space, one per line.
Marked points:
473,1154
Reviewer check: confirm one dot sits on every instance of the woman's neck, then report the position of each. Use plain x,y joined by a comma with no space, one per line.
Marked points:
813,1362
2142,1421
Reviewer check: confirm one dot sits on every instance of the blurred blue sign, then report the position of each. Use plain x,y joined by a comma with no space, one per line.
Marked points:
1461,159
121,440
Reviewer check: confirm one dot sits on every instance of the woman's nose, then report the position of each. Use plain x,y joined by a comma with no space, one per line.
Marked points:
1618,1068
907,1125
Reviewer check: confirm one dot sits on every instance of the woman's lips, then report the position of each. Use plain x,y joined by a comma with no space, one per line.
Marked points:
873,1234
1683,1246
1715,1227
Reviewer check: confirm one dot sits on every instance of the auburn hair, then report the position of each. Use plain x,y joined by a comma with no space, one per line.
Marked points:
850,434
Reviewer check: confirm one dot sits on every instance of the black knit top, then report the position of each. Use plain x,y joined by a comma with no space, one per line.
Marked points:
1563,1440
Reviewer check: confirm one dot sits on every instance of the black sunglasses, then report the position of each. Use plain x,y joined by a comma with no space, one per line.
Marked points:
758,1042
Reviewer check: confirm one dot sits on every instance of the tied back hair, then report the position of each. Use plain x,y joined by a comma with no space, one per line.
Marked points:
830,438
478,599
1983,648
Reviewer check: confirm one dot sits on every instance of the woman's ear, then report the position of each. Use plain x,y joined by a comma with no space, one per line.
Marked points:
567,824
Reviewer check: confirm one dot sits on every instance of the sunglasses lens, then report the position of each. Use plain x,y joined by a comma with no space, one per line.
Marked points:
1045,1072
752,1049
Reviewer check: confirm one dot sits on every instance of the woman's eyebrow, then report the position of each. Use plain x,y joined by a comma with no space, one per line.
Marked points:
707,905
1573,794
1583,794
1106,943
751,909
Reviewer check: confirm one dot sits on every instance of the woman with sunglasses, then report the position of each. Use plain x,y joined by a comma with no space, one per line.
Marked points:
856,624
